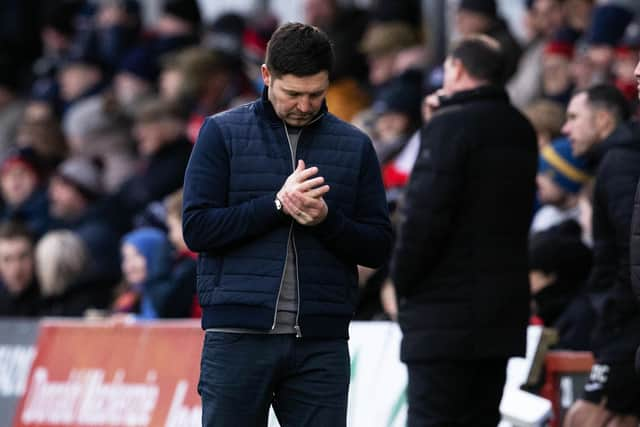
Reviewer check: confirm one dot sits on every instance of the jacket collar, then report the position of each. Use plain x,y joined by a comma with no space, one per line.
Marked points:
626,135
481,93
265,109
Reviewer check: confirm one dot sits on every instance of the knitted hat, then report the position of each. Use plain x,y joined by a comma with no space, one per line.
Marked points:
555,47
608,25
186,10
154,246
83,174
567,171
562,43
484,7
25,157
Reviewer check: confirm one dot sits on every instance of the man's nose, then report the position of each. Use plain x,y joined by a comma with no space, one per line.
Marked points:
304,105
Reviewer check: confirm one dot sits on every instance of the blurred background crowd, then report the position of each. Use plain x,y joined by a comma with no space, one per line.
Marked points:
100,107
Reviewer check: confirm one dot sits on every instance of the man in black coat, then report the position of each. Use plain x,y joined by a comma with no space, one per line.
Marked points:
635,241
635,257
461,267
598,129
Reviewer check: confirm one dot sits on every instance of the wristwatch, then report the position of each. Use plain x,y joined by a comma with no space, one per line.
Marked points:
278,204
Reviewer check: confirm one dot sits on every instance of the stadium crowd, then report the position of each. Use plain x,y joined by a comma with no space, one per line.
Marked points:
99,113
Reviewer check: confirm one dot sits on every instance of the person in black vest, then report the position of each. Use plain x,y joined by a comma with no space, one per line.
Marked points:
598,129
282,200
461,265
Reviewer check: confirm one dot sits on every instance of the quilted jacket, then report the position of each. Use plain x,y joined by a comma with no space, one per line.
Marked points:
240,161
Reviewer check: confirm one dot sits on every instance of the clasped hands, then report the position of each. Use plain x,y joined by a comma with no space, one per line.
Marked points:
302,195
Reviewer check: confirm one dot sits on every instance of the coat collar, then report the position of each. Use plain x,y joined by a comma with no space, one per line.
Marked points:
626,135
481,93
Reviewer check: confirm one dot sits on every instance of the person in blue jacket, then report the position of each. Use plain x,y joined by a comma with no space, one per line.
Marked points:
282,201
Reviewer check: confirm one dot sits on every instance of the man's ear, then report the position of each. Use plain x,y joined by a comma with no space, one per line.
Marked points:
266,75
458,69
604,122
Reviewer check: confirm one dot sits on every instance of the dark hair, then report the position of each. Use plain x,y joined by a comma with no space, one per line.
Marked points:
483,58
299,49
609,98
10,230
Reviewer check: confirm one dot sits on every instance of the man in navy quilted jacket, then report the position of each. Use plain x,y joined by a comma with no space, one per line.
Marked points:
282,201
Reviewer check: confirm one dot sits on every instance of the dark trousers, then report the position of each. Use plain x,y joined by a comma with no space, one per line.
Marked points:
456,393
306,380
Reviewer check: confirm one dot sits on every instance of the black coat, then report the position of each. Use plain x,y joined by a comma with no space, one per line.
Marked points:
461,266
635,245
25,304
618,330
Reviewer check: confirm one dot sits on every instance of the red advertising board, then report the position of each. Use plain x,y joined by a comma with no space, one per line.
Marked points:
106,374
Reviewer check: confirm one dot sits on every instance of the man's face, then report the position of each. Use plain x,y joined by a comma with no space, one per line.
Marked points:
129,89
75,79
134,265
580,125
65,201
16,263
556,74
548,16
391,126
296,100
171,82
18,183
150,136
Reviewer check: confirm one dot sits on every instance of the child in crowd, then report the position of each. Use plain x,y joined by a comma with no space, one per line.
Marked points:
560,178
146,264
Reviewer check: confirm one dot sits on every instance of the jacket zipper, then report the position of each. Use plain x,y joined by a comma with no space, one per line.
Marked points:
296,327
275,314
291,238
